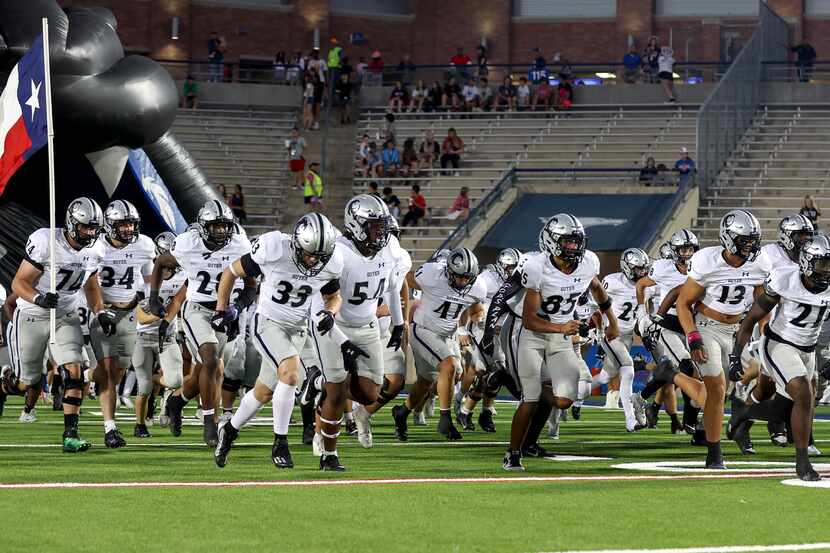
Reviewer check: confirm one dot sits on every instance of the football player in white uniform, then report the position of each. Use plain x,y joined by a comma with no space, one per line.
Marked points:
721,285
75,263
156,342
448,288
203,252
294,268
125,261
553,280
370,257
620,287
802,297
493,277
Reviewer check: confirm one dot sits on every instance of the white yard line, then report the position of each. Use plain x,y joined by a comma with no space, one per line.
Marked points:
717,549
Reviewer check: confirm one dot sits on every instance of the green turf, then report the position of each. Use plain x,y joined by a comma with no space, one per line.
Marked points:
494,517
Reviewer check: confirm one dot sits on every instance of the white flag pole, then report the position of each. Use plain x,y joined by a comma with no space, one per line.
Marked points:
50,135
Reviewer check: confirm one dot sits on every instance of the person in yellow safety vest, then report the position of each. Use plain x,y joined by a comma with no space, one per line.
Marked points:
335,54
313,190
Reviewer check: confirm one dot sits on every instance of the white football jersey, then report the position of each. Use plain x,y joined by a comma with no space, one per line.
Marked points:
121,271
516,302
623,294
441,305
729,290
586,311
800,313
773,256
667,277
286,294
560,292
202,266
168,289
73,268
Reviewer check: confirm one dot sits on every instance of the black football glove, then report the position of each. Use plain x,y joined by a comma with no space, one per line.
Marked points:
584,329
108,320
326,322
736,367
351,353
48,300
232,330
155,306
163,326
221,320
396,338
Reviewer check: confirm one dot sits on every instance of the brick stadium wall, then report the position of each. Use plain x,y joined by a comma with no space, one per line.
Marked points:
432,32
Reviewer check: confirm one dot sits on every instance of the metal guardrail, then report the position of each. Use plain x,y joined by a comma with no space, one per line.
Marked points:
793,71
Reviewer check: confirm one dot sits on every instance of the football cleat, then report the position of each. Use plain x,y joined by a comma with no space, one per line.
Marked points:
281,455
741,437
639,409
806,472
226,417
429,407
813,450
331,463
126,402
140,431
636,428
227,434
676,427
698,437
418,418
485,420
113,439
210,431
399,416
652,415
175,406
576,412
448,429
364,425
72,443
536,450
351,427
513,461
164,417
465,421
31,416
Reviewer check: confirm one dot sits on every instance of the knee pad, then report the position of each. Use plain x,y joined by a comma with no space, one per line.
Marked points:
231,385
385,395
69,382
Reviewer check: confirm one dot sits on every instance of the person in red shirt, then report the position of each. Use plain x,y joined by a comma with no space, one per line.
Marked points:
461,205
461,60
417,207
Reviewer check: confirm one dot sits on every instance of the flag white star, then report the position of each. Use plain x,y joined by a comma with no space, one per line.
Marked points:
33,100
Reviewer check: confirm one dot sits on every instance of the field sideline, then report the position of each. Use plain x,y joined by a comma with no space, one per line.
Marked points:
425,495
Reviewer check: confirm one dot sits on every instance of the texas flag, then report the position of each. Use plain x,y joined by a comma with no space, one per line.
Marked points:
22,113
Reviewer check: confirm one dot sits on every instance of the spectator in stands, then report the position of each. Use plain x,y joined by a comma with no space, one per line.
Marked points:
563,68
392,202
409,158
649,172
429,150
343,92
389,131
237,203
308,103
806,56
362,68
564,94
451,149
471,96
363,153
418,97
313,190
481,61
434,97
460,206
666,66
375,69
216,56
452,95
543,95
347,69
507,94
486,95
417,207
810,210
685,167
407,69
190,92
460,61
523,94
334,60
372,189
663,178
391,160
397,97
296,145
279,66
223,193
296,69
374,162
651,56
632,63
316,66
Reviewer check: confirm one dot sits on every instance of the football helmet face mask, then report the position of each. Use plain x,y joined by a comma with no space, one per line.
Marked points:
394,228
367,223
506,262
312,242
740,234
683,245
793,232
814,262
634,264
84,221
563,236
122,222
461,269
216,224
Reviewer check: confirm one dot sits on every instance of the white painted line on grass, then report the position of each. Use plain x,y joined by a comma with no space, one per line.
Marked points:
802,484
782,467
716,549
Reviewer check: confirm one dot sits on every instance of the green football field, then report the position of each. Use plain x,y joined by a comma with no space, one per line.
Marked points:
426,495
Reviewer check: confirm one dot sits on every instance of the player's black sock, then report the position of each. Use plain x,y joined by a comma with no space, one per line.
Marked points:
70,421
713,454
776,409
537,423
673,417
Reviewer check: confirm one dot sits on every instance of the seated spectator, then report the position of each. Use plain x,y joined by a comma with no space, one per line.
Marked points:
485,94
451,149
389,131
343,91
460,206
434,96
374,71
685,167
417,207
429,150
397,97
372,189
363,151
361,69
279,67
631,65
810,210
471,95
223,193
190,92
391,159
665,64
663,178
392,202
565,95
648,173
543,96
409,158
460,62
374,162
507,95
237,204
523,93
452,95
419,96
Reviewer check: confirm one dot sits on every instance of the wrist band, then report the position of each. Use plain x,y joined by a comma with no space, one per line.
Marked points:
693,337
